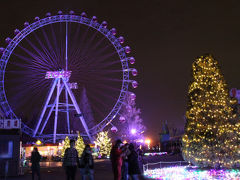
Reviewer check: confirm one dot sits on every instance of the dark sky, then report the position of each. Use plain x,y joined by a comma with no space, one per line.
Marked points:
165,36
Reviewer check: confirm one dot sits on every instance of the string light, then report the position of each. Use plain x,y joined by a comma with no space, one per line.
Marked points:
212,131
186,172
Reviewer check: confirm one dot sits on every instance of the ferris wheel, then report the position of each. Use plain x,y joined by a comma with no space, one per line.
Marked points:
65,73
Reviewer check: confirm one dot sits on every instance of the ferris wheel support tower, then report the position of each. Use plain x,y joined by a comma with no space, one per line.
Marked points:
60,82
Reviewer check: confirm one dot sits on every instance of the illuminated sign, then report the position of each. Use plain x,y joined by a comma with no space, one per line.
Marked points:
10,124
58,74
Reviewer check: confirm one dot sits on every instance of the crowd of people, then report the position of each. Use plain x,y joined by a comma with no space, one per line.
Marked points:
123,157
124,160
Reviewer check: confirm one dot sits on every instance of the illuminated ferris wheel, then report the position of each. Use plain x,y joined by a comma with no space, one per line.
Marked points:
65,73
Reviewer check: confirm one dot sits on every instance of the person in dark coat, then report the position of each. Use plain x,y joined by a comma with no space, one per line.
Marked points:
126,152
116,159
86,163
35,159
133,165
71,161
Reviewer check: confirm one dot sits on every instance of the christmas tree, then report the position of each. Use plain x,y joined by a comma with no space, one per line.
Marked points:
132,120
211,136
104,143
79,145
66,144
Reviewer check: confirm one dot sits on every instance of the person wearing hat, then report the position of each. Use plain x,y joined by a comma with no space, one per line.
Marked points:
116,159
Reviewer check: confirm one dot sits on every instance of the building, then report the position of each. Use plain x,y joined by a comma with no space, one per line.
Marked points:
9,147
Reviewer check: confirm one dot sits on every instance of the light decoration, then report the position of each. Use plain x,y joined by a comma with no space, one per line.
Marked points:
79,144
155,154
58,74
212,130
187,173
104,143
133,131
38,142
148,141
66,144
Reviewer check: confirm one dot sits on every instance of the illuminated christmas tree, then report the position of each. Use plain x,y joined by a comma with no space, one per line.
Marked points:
79,145
104,143
211,136
131,124
66,144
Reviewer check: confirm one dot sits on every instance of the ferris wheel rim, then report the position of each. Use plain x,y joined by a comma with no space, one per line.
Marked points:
59,19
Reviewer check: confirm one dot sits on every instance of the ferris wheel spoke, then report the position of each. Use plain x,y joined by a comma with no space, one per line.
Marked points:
44,55
80,45
100,93
99,112
55,42
101,85
49,45
30,86
100,101
21,97
108,64
86,46
35,57
47,52
95,62
35,66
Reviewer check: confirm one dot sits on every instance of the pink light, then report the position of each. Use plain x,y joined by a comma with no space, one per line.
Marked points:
58,74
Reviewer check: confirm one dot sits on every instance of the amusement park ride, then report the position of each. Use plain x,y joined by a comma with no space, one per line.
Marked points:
46,59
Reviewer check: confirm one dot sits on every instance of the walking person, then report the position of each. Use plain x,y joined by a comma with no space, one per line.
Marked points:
116,159
133,165
71,161
87,164
35,159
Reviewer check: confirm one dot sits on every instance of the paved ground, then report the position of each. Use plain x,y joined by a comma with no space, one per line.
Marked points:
102,171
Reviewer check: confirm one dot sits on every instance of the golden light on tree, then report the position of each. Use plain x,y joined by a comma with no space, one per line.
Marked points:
79,144
104,143
212,137
66,144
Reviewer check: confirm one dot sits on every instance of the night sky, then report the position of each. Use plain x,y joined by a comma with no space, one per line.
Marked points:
165,37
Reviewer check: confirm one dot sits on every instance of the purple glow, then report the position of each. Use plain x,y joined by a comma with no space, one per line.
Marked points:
127,49
121,39
122,119
94,19
8,40
104,24
133,96
114,129
26,24
114,31
36,19
134,72
48,14
84,14
133,131
132,60
134,84
16,31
